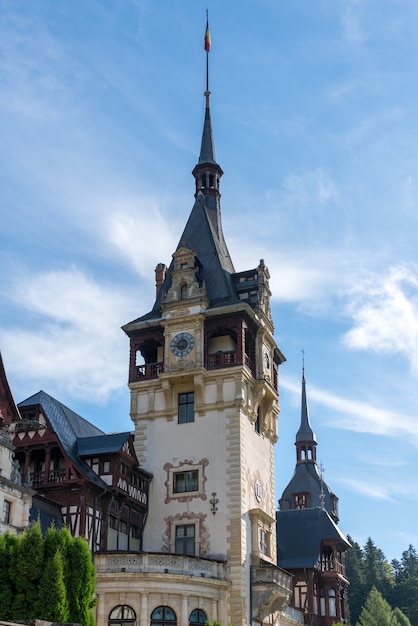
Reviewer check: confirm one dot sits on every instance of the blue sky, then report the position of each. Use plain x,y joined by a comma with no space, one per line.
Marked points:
314,107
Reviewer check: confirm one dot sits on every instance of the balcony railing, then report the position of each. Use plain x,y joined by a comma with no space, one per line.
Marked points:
148,370
160,564
37,479
332,566
221,359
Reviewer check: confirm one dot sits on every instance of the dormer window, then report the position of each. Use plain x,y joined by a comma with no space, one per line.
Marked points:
183,292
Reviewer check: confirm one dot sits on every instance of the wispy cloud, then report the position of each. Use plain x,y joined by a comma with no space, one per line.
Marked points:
359,416
74,343
384,309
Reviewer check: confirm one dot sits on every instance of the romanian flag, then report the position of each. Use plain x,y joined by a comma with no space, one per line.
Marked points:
207,38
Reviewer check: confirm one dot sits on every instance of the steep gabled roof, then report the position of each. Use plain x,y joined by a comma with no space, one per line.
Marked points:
299,536
68,426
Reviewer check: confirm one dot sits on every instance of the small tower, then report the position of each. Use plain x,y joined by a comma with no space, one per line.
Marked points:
307,488
311,546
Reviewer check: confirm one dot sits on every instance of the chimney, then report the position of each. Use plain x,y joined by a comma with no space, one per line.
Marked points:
160,272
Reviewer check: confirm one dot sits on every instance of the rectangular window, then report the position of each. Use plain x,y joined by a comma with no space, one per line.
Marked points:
186,407
6,511
185,481
301,501
185,539
264,542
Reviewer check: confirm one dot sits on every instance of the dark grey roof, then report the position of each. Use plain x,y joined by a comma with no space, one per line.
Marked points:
204,236
102,444
68,426
299,536
305,432
45,511
207,147
306,479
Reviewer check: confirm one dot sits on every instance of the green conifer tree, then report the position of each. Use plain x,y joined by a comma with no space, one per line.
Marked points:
25,572
51,603
354,567
7,542
401,617
376,611
80,584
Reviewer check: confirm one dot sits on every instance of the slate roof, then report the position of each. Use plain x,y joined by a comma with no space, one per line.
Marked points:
305,432
101,444
299,536
203,235
207,146
69,427
306,479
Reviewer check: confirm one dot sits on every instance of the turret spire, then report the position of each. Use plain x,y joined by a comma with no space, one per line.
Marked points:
207,172
305,437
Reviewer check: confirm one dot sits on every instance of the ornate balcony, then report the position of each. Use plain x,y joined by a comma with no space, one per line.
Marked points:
271,590
156,563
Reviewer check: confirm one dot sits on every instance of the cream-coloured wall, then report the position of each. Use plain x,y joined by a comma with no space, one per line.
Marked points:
12,490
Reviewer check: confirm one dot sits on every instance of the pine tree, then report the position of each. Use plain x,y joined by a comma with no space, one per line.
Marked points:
401,617
52,596
376,611
354,568
377,571
25,572
80,584
409,563
7,542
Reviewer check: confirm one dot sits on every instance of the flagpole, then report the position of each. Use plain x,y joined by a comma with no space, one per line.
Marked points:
207,45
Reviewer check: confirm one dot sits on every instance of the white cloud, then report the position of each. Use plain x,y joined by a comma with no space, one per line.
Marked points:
75,343
368,488
385,313
141,235
359,416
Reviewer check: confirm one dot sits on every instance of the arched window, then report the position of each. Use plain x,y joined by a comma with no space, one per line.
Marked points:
197,617
122,615
163,616
183,292
331,603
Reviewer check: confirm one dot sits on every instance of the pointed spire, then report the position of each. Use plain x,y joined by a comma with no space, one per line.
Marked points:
207,172
207,147
305,437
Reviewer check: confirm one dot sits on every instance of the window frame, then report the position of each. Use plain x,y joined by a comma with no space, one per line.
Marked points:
191,484
7,511
185,409
185,540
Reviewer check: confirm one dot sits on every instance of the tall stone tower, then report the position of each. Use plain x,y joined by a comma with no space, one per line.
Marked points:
203,379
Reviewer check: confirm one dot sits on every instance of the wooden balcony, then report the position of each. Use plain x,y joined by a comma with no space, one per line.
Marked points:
37,479
148,371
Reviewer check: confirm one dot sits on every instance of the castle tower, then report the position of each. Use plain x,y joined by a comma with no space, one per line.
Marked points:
311,546
203,379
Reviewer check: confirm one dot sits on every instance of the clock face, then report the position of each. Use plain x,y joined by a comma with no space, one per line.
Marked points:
258,491
182,344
